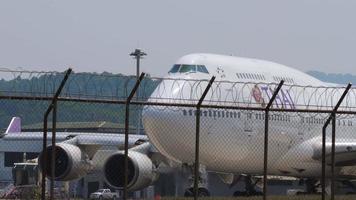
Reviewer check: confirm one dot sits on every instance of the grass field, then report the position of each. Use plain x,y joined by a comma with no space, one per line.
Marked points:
309,197
316,197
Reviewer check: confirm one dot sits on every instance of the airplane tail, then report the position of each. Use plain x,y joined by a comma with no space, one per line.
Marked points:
14,126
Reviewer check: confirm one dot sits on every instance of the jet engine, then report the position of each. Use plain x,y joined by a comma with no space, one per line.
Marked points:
70,162
141,171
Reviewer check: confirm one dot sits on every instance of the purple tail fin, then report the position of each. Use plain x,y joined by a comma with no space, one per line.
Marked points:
15,125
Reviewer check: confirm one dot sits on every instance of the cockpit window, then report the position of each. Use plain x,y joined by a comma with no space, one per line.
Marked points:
188,68
174,69
202,68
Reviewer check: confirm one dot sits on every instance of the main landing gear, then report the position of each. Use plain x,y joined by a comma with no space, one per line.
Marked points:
250,186
202,182
311,186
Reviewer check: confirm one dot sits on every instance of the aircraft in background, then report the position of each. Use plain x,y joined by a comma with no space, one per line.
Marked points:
231,141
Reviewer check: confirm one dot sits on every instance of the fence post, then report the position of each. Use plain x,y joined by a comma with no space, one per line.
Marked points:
52,106
323,171
127,115
197,139
265,156
332,118
53,144
333,135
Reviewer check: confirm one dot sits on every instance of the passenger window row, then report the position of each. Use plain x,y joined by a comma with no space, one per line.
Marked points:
279,117
230,114
213,113
286,79
344,123
261,116
251,76
313,120
273,117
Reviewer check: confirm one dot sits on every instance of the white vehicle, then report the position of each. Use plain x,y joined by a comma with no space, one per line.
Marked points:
104,194
171,132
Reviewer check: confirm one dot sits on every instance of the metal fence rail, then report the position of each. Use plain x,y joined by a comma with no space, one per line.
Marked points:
304,109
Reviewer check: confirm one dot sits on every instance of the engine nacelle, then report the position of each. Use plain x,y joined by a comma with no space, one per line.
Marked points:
70,162
141,171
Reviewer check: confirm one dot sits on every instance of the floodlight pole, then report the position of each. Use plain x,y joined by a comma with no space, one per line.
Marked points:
126,145
138,54
332,118
197,138
265,156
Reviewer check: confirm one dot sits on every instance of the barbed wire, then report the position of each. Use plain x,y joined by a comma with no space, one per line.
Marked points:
253,94
174,90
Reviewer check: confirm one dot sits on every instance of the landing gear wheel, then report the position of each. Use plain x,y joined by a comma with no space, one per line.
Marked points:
202,192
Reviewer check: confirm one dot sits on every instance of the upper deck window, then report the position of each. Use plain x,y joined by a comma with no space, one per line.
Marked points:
188,68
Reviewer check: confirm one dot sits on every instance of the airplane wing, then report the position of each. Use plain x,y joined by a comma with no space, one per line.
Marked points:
92,143
310,151
345,156
345,153
106,140
78,154
13,132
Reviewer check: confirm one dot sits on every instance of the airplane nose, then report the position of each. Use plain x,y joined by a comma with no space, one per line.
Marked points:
166,126
158,122
178,90
167,91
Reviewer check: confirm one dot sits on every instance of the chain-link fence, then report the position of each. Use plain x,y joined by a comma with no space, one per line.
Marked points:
80,135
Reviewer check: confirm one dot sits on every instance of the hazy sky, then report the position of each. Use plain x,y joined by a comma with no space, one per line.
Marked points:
99,35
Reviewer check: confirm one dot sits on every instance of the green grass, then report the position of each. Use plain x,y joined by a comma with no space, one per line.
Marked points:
309,197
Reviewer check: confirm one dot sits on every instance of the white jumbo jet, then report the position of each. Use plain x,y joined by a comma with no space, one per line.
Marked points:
231,141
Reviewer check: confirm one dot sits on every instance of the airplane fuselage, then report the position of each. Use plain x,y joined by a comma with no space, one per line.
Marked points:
233,140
